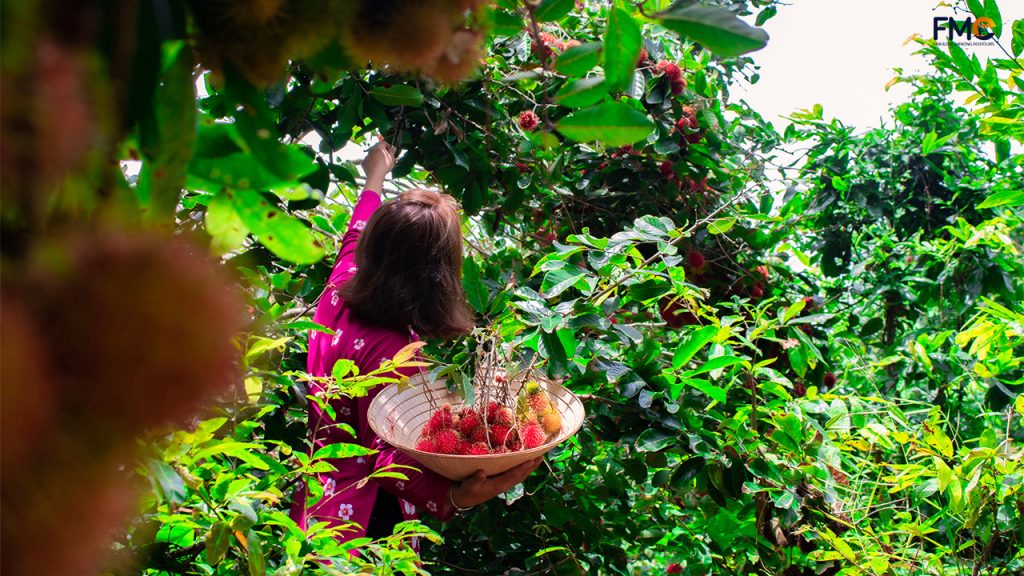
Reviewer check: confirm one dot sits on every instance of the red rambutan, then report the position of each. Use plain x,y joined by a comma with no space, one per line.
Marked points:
500,415
528,120
695,259
677,86
828,380
667,169
500,435
469,420
426,445
533,435
446,442
762,270
477,449
671,70
441,419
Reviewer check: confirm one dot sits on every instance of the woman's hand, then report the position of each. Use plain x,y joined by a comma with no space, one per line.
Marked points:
378,164
478,488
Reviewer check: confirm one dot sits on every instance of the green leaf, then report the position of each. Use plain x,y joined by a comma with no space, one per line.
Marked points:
653,440
559,280
716,363
342,450
1017,42
717,29
963,63
217,542
257,561
168,135
716,393
581,93
798,359
398,95
721,226
1007,198
225,225
578,60
765,15
794,309
614,123
551,10
473,285
281,233
622,44
692,344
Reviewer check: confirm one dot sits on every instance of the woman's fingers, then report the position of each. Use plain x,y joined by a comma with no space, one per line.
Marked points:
503,482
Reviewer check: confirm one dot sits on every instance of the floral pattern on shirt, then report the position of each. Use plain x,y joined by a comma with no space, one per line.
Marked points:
345,511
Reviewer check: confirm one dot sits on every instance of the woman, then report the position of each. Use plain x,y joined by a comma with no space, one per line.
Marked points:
397,277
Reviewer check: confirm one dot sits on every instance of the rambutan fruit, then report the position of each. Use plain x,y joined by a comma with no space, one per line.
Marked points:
667,169
282,29
674,568
500,435
695,259
683,124
539,401
675,314
551,421
531,387
828,380
139,327
799,389
442,419
477,449
762,271
460,57
29,411
251,12
479,434
426,445
570,43
757,290
500,415
514,443
642,59
469,421
528,120
446,442
532,436
407,34
671,70
677,86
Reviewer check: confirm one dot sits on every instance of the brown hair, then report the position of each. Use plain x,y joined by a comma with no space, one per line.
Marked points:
409,261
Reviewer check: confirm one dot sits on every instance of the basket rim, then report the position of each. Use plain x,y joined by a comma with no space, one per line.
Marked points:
547,446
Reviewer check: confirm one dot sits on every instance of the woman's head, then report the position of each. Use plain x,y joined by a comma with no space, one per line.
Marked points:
409,261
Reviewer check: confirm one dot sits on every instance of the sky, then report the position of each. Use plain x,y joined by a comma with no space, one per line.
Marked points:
841,54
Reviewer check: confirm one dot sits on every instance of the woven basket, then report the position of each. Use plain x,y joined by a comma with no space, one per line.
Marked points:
398,416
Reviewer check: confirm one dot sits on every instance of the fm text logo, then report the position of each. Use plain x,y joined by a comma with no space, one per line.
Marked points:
969,27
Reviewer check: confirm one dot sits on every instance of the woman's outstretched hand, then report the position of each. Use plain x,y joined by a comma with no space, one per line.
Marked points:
479,488
378,164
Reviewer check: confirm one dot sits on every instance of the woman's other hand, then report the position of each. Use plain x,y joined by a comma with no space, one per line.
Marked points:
478,488
378,164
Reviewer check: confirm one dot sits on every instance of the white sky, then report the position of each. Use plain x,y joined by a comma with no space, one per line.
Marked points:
841,54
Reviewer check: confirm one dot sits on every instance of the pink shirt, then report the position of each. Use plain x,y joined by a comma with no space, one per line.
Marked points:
368,346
